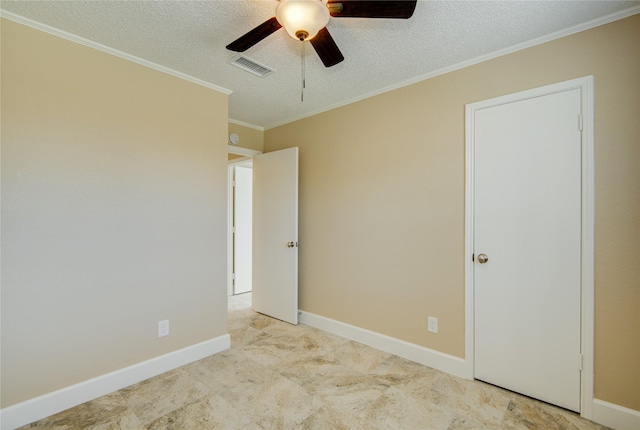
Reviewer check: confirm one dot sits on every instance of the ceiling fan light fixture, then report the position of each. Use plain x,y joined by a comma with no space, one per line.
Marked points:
302,19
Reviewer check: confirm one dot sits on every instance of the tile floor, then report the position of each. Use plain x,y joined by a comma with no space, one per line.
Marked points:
278,376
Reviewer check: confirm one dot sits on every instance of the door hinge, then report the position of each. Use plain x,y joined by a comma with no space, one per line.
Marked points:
581,361
580,122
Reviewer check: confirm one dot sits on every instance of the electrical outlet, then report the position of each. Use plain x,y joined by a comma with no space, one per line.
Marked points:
432,324
163,328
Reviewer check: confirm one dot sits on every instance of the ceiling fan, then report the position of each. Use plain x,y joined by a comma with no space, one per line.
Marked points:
307,20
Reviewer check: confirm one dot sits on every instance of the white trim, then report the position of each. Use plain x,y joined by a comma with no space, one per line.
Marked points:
239,150
65,398
245,124
486,57
239,160
429,357
100,47
231,165
588,248
614,416
230,197
586,85
518,47
469,313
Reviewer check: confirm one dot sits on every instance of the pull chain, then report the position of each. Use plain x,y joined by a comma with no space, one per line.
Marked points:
302,72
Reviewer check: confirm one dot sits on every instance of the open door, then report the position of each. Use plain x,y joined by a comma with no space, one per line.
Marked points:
275,234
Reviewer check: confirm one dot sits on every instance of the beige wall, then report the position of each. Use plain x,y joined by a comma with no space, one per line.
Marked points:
250,138
382,199
113,213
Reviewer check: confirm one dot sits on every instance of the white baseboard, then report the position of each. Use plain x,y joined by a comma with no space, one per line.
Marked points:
614,416
444,362
65,398
608,414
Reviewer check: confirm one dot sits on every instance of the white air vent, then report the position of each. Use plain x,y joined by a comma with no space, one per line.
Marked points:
250,66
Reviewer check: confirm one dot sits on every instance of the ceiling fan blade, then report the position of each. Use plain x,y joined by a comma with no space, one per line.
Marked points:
402,9
254,36
326,48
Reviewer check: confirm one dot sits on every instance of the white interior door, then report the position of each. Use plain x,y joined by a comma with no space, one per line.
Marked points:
527,222
242,229
275,234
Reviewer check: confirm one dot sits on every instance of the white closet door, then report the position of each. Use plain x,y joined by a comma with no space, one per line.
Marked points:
528,225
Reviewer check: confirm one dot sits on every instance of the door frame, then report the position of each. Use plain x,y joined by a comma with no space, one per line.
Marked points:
586,85
246,155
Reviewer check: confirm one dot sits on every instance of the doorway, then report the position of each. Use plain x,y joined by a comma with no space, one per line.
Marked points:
240,227
263,232
529,243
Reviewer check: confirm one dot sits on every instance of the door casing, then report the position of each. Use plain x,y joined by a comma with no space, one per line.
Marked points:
585,84
247,155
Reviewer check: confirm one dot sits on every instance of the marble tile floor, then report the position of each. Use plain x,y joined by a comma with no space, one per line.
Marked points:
279,376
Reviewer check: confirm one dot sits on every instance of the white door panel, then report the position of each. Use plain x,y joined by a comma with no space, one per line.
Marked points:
275,234
527,220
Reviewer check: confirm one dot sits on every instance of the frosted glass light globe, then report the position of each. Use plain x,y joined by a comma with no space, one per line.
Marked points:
302,19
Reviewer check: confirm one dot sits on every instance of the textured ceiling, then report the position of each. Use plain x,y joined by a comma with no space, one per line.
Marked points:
189,37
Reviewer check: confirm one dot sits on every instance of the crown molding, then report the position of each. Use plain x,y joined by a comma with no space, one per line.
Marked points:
246,124
95,45
486,57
